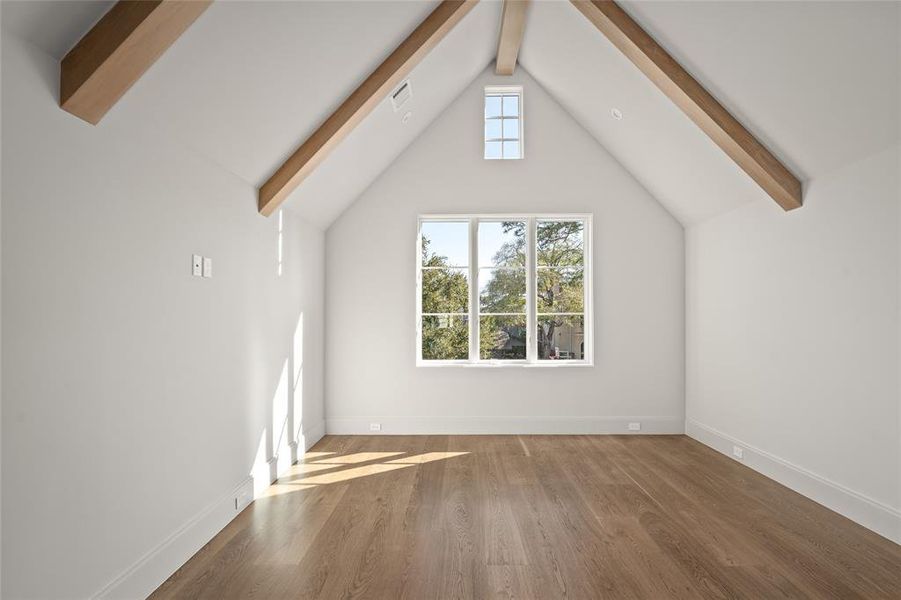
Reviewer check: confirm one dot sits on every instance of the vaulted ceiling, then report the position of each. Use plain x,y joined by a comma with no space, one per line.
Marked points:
817,82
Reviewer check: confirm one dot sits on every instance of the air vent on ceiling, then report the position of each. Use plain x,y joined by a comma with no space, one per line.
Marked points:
401,95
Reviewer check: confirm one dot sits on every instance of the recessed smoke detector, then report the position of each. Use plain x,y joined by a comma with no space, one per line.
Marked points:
406,117
401,95
616,114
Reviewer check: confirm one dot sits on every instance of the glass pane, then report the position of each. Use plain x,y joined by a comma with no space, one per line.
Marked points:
560,290
445,244
492,149
445,291
511,129
511,106
502,244
445,337
502,290
502,338
560,243
511,150
492,129
561,338
492,106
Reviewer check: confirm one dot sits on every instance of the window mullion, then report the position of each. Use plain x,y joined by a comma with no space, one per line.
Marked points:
473,290
531,303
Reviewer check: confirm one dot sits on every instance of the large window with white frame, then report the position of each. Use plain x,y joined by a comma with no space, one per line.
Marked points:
503,290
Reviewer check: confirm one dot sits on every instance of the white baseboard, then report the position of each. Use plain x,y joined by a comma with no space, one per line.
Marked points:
152,569
878,517
503,425
309,437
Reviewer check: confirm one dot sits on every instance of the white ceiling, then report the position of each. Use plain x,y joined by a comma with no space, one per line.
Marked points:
53,26
818,82
251,81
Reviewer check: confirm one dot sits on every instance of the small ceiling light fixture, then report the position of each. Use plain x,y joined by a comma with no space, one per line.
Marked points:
616,114
406,117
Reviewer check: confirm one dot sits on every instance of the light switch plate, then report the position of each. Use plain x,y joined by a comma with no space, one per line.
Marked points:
197,265
207,266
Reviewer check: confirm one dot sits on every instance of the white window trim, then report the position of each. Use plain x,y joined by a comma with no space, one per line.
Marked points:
508,90
531,360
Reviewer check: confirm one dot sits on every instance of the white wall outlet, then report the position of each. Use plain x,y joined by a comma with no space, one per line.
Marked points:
196,265
375,427
242,500
207,267
634,426
738,452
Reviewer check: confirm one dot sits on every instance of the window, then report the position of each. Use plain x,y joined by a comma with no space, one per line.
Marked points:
503,123
504,290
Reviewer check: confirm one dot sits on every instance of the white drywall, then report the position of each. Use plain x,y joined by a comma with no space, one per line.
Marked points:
638,286
135,396
792,338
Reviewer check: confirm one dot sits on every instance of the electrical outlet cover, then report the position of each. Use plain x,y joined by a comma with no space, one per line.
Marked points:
197,265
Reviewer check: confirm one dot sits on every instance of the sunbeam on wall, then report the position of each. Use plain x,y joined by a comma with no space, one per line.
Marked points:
296,407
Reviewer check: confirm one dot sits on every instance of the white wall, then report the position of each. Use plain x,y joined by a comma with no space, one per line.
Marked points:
638,280
135,397
793,334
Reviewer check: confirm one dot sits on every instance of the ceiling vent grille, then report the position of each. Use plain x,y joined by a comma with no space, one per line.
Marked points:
401,95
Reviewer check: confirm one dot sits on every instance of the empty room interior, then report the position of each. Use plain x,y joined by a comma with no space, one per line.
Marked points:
450,299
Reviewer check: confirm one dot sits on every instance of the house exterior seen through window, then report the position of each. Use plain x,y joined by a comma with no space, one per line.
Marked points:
503,123
504,290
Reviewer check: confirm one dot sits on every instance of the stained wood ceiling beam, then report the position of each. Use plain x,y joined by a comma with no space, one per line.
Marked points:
696,102
361,102
114,54
513,25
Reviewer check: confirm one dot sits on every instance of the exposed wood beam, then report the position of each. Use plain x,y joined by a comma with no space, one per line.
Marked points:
696,102
361,102
513,25
114,54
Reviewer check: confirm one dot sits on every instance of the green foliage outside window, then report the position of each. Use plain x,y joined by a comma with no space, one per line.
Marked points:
559,282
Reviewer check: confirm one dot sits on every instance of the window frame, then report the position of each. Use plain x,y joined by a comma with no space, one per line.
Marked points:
474,312
504,90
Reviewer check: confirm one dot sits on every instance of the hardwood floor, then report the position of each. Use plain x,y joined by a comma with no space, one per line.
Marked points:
422,517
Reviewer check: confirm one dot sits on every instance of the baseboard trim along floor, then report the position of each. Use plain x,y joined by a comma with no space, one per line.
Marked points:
152,569
503,425
878,517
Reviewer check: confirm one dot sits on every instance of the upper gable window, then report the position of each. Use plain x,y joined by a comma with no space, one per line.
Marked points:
503,122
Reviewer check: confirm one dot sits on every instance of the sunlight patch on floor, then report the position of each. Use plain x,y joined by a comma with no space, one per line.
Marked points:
358,457
339,476
278,488
418,459
306,475
316,454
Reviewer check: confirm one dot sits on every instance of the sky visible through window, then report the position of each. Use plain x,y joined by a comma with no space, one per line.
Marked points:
503,136
451,240
478,310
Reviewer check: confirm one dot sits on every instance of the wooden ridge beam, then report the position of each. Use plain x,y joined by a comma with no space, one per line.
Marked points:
513,26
